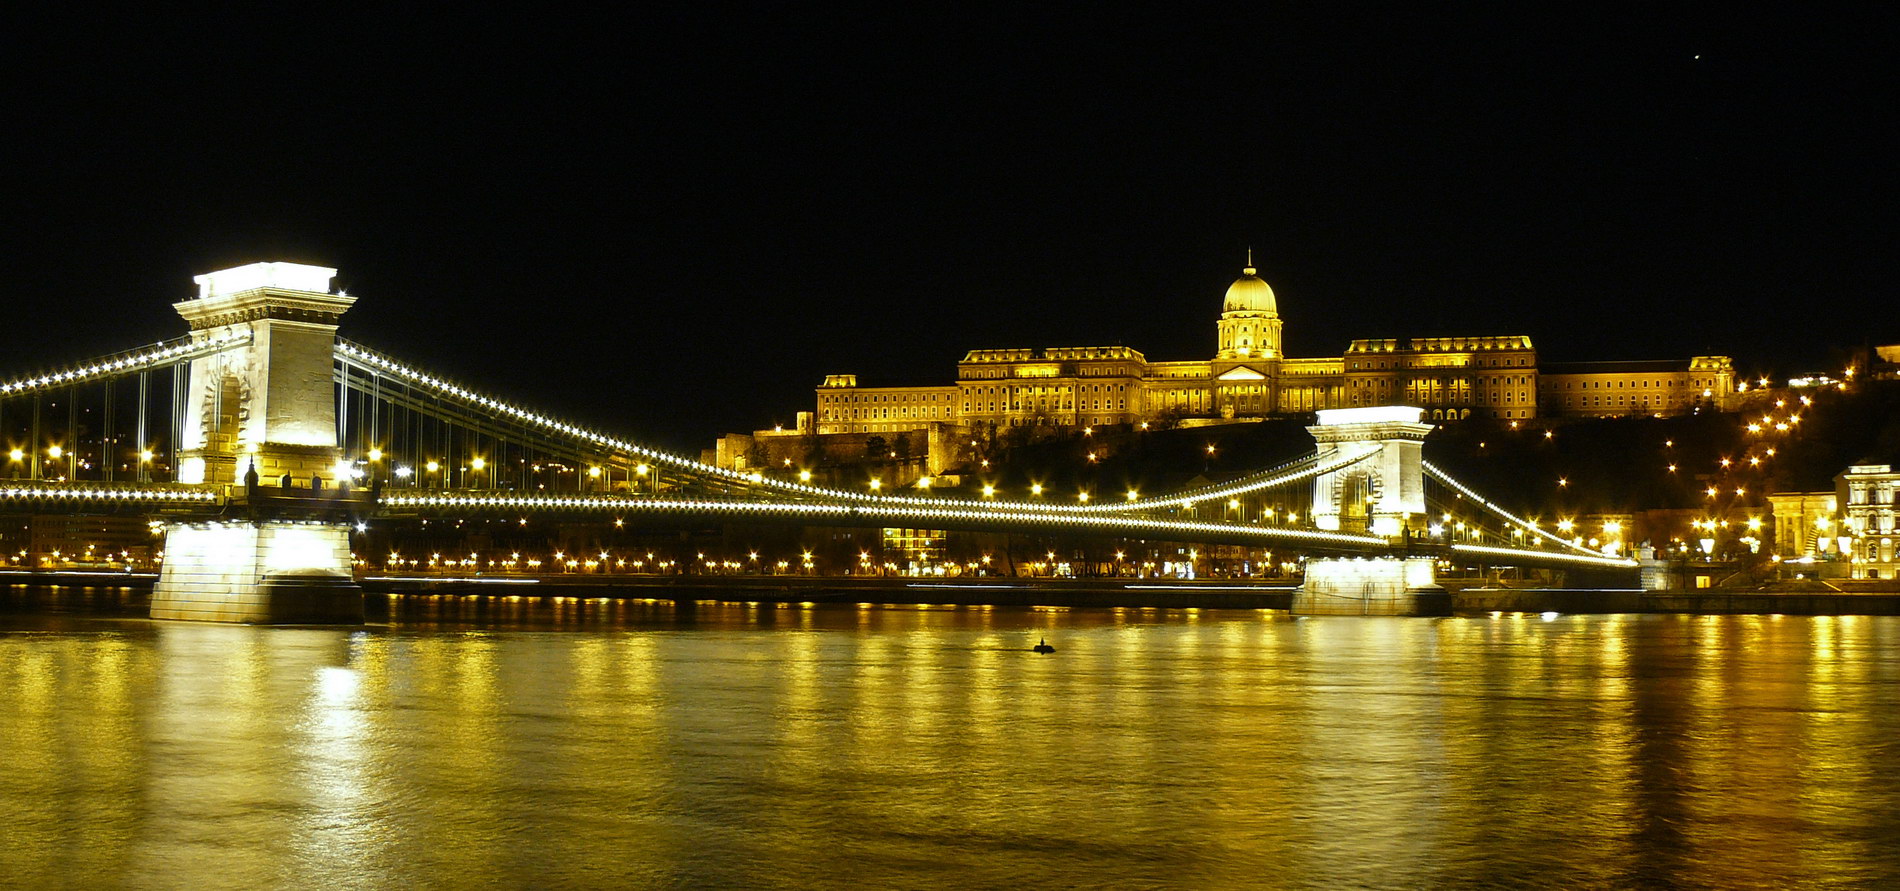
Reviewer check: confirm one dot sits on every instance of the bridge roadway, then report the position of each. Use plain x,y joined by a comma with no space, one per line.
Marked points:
182,501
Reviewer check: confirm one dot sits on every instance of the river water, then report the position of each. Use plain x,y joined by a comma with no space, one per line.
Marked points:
637,744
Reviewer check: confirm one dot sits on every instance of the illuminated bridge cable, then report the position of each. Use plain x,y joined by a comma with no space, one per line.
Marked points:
159,355
379,363
1292,472
1432,472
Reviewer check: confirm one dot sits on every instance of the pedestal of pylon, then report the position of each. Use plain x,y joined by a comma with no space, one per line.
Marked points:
270,572
1384,586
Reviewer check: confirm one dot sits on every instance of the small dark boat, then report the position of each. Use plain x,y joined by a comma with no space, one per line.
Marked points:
1044,647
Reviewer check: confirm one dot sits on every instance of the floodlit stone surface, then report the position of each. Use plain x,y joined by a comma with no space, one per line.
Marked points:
257,573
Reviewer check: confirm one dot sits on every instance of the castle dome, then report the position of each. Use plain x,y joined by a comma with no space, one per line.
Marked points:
1249,294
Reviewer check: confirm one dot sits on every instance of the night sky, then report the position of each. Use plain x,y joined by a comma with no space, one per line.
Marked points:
674,226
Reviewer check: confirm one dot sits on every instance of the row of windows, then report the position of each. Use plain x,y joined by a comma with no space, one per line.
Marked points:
886,398
1439,381
1866,495
933,413
1605,385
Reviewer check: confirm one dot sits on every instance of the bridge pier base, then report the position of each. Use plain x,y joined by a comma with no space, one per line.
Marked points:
1383,586
258,573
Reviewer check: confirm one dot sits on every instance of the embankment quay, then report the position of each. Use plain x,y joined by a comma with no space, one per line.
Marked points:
1092,592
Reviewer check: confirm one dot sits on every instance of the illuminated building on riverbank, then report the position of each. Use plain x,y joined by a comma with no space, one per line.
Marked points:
1249,376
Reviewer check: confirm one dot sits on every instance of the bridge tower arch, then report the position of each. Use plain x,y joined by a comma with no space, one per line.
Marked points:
281,375
1387,489
1384,494
268,404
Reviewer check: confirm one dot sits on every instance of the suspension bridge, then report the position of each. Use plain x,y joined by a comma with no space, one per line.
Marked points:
260,440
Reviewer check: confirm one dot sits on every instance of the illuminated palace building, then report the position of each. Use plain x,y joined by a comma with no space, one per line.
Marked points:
1453,378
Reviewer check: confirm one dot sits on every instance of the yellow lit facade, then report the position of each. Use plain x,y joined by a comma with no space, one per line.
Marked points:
1805,524
1610,389
1452,378
1870,498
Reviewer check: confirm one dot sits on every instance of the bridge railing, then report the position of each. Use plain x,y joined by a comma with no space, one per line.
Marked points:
16,494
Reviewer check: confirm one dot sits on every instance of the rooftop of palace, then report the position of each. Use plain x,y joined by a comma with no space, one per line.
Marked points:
1055,354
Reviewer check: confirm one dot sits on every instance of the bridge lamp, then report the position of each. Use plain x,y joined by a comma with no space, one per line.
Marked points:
1132,495
432,466
591,471
145,455
804,476
375,454
404,471
16,456
1082,497
1233,504
54,452
1035,488
876,484
477,463
923,482
1565,525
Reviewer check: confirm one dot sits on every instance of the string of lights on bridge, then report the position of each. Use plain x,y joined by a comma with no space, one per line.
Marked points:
165,352
84,494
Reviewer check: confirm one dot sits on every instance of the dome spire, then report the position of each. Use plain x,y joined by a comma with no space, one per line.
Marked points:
1250,270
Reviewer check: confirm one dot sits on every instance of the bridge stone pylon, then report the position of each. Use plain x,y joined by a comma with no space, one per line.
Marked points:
271,400
268,402
1381,494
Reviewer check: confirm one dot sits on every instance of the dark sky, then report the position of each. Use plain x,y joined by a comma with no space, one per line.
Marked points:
673,223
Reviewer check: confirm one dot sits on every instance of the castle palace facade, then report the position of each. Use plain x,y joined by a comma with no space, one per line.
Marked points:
1249,376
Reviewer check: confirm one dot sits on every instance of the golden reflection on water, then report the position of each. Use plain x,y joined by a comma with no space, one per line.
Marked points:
648,743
